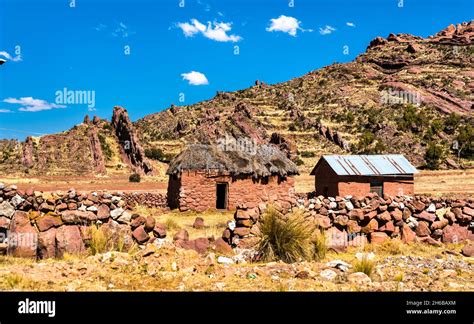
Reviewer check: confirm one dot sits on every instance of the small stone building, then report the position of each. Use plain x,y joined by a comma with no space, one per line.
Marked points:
357,175
205,177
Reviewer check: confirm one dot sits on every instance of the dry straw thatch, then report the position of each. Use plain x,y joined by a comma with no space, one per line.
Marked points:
267,160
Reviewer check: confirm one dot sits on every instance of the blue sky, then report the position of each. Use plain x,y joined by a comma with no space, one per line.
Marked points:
144,54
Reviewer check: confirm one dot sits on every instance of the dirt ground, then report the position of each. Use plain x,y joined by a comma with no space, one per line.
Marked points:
438,183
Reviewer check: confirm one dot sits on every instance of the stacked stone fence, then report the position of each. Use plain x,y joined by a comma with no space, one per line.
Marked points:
349,221
41,224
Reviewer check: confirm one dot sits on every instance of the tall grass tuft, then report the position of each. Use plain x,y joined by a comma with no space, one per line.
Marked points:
364,265
287,238
102,242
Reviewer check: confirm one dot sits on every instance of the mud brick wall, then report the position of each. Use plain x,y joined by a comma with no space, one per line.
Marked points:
197,191
355,220
45,225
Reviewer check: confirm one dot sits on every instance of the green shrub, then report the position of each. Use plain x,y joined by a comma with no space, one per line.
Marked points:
105,147
451,123
288,239
465,140
307,154
134,177
433,156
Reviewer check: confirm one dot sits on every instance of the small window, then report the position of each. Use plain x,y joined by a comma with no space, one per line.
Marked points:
377,187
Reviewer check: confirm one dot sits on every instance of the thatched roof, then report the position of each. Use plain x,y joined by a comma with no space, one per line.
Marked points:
265,161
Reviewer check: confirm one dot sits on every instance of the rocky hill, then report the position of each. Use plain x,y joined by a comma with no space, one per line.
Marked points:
402,94
405,94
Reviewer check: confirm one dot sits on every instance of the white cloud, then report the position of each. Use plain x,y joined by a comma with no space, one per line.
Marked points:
326,30
9,57
350,24
5,110
287,25
32,105
215,31
195,78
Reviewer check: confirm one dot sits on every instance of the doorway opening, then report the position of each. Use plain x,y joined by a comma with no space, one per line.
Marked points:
222,190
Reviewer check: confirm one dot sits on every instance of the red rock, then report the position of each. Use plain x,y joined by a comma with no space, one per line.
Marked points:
408,236
429,240
159,231
47,244
4,222
418,205
61,207
423,229
226,234
468,211
378,237
68,239
450,217
140,235
353,227
385,216
47,221
468,250
221,247
103,212
356,214
200,245
150,224
426,216
23,237
242,231
388,228
371,214
439,224
396,214
244,223
137,221
198,223
456,234
241,214
373,225
182,235
77,216
323,222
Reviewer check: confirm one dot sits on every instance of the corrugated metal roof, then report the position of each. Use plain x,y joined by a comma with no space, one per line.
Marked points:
367,165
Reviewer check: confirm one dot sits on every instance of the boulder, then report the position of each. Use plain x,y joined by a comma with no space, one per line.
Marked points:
468,250
396,214
137,221
140,235
429,217
69,240
242,231
43,223
103,212
22,237
150,224
359,278
78,217
378,237
182,235
199,223
408,236
423,229
47,244
159,231
373,225
222,247
456,234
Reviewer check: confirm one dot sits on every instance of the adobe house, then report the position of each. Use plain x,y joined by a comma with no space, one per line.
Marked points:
357,175
206,177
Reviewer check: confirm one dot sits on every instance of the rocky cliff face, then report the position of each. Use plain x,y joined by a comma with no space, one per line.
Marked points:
131,149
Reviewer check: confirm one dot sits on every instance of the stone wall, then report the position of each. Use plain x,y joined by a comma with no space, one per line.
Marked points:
356,220
37,224
197,191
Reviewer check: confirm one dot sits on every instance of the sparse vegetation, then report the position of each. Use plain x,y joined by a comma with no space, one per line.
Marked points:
364,265
433,156
288,238
134,177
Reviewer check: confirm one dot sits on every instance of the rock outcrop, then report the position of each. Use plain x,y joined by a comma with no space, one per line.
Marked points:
129,142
